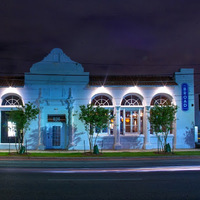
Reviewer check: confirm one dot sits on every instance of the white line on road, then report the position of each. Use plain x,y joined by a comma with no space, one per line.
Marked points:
101,170
126,170
86,179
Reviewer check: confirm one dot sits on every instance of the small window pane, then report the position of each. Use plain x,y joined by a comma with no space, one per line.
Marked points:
160,100
11,129
12,100
102,100
131,100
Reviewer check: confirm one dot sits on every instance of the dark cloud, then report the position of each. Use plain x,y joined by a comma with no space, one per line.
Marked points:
115,36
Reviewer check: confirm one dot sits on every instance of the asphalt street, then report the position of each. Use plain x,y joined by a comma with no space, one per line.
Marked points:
136,178
100,162
157,185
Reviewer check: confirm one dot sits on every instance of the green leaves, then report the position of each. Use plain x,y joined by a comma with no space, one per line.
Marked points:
22,116
94,117
162,117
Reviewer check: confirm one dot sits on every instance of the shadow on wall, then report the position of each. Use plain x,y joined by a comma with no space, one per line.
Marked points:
77,138
106,142
189,136
132,142
31,141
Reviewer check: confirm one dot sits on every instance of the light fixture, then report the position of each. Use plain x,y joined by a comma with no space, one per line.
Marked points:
127,120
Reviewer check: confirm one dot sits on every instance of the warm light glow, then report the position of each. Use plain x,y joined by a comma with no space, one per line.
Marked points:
112,120
11,90
135,90
134,115
163,90
11,129
101,90
127,120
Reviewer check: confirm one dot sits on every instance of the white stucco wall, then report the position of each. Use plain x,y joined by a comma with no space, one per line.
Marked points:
57,80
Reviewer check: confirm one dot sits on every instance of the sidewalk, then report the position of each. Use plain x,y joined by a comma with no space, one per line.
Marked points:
103,151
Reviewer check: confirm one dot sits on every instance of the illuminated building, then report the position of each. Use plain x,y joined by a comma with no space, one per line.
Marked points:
58,86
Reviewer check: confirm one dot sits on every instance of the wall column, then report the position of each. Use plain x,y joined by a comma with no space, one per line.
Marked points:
70,101
124,122
146,128
174,133
40,135
40,132
139,121
71,128
117,144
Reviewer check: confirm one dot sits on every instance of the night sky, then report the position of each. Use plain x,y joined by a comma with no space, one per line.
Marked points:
105,36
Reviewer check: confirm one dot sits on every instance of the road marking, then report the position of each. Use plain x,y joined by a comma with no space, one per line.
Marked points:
101,170
126,170
95,179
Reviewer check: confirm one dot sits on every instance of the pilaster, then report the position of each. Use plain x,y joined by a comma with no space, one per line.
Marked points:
146,127
117,144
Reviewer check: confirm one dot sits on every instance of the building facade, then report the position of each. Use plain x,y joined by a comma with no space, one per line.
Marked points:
58,86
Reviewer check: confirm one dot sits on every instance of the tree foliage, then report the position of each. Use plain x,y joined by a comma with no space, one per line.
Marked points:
22,117
94,117
161,119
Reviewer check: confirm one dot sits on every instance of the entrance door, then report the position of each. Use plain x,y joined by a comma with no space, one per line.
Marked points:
8,129
131,121
55,136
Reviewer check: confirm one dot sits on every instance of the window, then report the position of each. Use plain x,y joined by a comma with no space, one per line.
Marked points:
12,100
109,128
11,129
8,128
102,100
131,100
133,122
160,100
131,116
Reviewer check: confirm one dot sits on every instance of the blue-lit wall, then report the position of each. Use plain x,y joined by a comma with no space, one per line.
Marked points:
58,86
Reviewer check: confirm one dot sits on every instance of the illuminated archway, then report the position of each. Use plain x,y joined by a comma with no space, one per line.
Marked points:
131,114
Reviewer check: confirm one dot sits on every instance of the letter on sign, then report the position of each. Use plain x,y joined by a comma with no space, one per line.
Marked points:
185,104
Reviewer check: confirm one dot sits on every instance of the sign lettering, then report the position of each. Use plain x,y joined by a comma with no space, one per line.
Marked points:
185,103
56,118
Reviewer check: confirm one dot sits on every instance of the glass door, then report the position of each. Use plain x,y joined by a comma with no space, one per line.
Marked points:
8,129
55,135
131,121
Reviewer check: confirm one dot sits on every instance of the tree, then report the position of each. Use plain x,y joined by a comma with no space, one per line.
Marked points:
161,119
94,117
22,118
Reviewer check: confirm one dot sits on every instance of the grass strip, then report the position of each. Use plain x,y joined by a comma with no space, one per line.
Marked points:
104,154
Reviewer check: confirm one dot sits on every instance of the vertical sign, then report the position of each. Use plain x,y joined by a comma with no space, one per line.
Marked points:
185,104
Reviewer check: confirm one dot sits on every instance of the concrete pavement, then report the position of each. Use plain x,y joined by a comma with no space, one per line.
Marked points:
103,151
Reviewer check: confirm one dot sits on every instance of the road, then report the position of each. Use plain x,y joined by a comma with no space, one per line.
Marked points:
150,178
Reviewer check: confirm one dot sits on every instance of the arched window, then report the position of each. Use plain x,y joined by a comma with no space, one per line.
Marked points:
160,100
131,100
8,128
101,100
12,100
131,115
